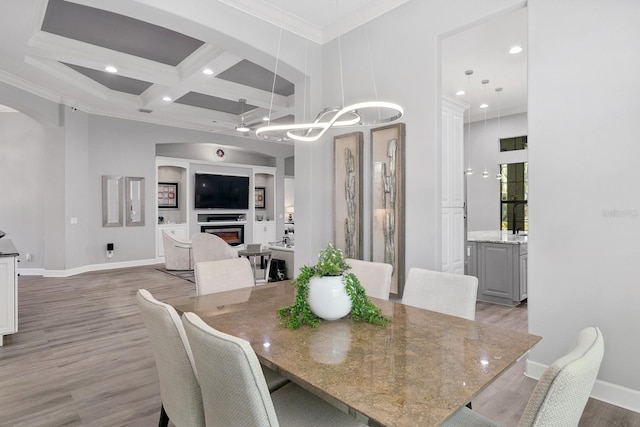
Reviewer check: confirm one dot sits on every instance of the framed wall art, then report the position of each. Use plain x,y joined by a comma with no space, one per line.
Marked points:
388,187
260,197
167,195
348,193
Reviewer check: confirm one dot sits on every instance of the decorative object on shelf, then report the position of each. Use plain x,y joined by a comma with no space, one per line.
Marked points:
135,201
388,200
347,160
260,197
366,113
290,210
167,195
219,154
112,201
333,267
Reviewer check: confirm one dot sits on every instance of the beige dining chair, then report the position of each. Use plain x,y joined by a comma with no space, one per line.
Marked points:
209,247
177,252
561,394
179,388
453,294
375,277
223,275
234,390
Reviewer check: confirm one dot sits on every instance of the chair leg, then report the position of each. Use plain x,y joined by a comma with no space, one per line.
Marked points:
469,405
164,418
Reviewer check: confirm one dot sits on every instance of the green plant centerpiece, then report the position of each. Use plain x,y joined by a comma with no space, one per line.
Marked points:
331,262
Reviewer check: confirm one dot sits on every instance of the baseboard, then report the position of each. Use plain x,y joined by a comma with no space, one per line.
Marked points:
84,269
607,392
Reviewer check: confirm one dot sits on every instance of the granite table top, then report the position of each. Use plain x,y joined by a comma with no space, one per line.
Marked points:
418,370
497,236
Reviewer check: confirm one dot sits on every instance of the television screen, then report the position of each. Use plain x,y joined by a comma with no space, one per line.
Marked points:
221,191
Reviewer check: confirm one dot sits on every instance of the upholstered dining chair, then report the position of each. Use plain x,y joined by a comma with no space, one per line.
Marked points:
453,294
223,275
177,252
561,394
179,388
234,390
375,277
209,247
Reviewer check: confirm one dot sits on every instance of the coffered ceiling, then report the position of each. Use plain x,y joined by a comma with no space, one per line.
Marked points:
60,50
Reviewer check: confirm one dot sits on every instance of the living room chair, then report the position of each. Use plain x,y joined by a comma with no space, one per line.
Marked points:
453,294
179,388
177,252
234,390
223,275
209,247
561,394
375,277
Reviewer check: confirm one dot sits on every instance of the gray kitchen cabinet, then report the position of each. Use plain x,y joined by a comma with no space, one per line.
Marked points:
501,269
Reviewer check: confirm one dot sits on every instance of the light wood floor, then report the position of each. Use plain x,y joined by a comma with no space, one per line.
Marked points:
82,357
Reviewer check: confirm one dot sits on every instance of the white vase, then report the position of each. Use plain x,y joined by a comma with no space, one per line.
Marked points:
327,297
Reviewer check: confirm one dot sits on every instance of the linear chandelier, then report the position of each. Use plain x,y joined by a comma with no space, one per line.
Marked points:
351,115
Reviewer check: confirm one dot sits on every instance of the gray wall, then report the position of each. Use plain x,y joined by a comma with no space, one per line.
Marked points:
583,161
483,194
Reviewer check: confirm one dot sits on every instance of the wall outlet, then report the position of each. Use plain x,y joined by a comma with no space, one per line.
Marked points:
73,221
29,257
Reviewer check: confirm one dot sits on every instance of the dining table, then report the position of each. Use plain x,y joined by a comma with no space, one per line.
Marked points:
417,370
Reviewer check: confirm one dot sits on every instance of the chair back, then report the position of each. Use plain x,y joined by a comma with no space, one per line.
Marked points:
177,252
562,393
453,294
223,275
179,387
233,387
209,247
375,277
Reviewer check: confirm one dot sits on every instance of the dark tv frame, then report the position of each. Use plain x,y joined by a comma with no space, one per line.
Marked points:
243,206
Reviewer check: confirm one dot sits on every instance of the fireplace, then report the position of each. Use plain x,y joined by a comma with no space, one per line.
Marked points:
232,234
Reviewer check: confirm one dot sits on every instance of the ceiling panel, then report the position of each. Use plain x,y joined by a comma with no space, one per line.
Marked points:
249,74
113,81
214,103
117,32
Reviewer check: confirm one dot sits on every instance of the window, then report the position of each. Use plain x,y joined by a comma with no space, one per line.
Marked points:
514,190
512,144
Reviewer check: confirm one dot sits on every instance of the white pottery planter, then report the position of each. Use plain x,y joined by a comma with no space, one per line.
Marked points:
327,297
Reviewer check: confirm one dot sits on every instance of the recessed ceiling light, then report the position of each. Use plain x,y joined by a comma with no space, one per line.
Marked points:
207,71
110,69
460,92
166,98
515,50
484,105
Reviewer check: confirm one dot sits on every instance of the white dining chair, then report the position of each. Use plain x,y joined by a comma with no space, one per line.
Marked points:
223,275
453,294
375,277
179,388
235,392
561,394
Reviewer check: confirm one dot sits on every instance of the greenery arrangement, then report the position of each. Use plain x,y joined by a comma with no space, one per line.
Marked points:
330,263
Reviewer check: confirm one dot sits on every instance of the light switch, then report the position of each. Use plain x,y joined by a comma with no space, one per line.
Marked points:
74,221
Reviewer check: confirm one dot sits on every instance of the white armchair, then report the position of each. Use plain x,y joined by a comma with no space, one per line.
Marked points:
177,253
209,247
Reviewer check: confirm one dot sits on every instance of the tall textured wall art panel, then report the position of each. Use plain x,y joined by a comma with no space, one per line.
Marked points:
387,240
348,193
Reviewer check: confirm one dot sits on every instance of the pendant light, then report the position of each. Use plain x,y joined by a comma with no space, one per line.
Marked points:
350,115
469,171
498,90
242,127
485,173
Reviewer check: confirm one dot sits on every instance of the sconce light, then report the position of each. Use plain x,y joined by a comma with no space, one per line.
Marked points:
290,211
109,250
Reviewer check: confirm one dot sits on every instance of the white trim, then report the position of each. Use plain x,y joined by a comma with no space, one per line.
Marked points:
85,268
605,391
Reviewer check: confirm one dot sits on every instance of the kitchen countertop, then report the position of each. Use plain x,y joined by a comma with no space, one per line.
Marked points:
7,248
497,236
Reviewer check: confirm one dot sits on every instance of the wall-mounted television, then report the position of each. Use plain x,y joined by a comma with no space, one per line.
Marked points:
221,191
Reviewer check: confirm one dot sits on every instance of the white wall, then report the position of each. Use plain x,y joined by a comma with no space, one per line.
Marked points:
483,194
584,100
